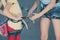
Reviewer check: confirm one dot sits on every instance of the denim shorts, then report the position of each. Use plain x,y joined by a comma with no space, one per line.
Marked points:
54,13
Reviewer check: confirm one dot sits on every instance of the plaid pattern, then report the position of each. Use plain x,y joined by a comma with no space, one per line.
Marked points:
3,29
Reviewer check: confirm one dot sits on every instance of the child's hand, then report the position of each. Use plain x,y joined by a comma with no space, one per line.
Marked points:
29,13
35,17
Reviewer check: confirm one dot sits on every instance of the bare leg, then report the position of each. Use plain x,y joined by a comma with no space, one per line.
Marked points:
44,24
56,23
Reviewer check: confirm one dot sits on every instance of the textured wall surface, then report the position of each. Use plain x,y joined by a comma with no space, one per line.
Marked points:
34,30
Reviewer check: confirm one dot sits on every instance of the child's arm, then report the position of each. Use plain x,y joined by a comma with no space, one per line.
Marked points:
49,7
32,9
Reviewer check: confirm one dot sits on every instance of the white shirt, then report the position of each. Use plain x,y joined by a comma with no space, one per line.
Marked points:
48,1
45,1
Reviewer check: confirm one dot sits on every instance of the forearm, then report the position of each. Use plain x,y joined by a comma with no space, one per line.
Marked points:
32,8
48,8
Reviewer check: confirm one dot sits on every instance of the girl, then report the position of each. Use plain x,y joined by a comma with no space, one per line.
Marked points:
51,11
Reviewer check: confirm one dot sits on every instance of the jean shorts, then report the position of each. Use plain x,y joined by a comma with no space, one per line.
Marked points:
54,13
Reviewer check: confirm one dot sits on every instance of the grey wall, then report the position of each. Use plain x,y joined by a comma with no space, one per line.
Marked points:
34,30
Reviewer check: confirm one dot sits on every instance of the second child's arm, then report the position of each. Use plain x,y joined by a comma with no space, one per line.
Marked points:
32,9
